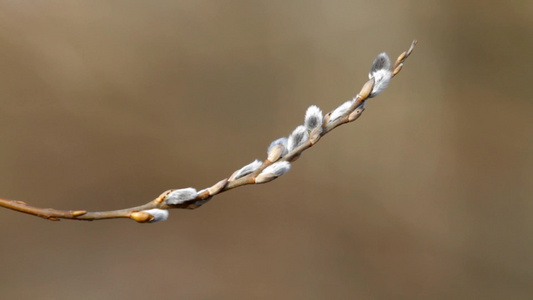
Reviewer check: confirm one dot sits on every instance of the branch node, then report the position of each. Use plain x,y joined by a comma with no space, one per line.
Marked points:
162,197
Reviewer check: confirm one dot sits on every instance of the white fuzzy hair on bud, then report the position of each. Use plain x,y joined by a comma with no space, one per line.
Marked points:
340,111
158,214
299,136
249,168
381,73
273,171
313,117
179,196
278,168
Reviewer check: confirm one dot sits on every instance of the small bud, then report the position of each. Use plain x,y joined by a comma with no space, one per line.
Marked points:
401,57
366,89
276,152
326,117
397,70
313,117
315,135
215,189
282,142
273,171
162,197
381,73
157,214
249,168
179,196
299,136
354,115
340,111
142,216
78,213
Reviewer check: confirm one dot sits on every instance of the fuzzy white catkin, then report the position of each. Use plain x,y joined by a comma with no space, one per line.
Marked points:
273,171
278,168
340,111
381,73
313,117
158,214
180,196
249,168
299,136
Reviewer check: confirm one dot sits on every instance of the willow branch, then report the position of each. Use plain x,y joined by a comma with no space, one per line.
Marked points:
281,154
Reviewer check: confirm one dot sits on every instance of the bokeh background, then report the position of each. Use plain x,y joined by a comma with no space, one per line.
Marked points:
106,104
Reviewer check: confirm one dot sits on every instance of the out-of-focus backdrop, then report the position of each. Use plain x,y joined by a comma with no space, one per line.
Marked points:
106,104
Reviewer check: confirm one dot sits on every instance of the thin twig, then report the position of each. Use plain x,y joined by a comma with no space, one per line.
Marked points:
280,155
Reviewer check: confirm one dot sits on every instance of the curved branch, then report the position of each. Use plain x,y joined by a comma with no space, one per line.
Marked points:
281,154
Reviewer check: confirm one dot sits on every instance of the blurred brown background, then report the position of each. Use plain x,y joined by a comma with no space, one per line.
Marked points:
106,104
